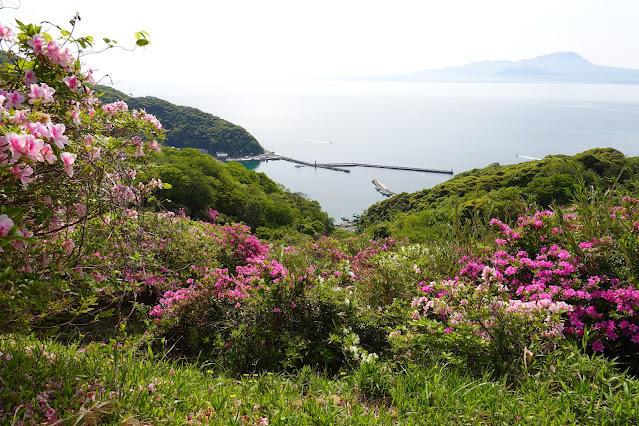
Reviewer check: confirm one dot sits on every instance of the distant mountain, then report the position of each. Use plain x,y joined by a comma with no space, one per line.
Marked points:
562,67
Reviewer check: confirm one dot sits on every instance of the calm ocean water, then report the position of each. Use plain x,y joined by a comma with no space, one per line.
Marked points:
430,125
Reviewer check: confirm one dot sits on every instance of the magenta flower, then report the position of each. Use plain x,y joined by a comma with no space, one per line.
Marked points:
597,346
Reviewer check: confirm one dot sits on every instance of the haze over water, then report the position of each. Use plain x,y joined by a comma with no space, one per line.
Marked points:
429,125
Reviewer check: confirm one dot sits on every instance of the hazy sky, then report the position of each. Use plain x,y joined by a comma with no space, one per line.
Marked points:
220,41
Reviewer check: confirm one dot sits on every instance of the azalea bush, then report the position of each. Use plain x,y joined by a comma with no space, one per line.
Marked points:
552,275
475,323
68,166
277,308
585,257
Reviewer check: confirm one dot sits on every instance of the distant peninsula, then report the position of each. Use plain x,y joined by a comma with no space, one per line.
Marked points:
190,127
562,67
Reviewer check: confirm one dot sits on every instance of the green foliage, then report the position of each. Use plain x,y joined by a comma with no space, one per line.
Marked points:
497,191
126,382
189,127
199,182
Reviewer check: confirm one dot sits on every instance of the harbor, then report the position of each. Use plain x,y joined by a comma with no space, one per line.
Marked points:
338,167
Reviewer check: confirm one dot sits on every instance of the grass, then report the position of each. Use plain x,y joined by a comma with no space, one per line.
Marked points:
130,384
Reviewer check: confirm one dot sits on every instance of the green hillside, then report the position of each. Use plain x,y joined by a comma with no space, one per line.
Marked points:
199,182
498,191
189,127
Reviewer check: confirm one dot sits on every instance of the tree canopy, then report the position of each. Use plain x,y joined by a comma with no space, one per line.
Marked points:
499,191
199,183
189,127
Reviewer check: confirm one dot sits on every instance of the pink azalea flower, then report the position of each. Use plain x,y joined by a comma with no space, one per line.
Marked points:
23,172
34,146
21,245
19,117
17,144
75,116
5,225
47,154
89,77
94,153
72,83
57,133
14,99
68,159
39,130
37,42
6,33
68,245
42,92
29,77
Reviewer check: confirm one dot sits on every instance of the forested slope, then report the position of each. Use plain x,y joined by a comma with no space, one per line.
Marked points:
189,127
199,182
499,191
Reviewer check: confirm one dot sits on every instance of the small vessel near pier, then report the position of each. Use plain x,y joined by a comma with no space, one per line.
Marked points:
382,189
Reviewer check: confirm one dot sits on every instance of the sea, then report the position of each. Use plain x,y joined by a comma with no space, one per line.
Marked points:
449,126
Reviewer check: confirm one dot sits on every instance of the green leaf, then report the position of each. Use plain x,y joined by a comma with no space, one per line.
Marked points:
142,42
167,185
12,211
65,33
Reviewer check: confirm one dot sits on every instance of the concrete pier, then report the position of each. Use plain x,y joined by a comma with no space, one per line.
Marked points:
339,167
382,189
322,166
378,166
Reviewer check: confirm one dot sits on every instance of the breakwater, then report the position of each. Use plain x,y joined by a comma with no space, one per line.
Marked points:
338,167
378,166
